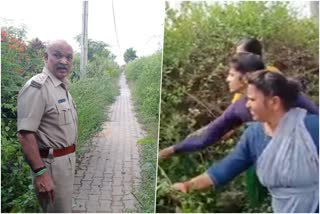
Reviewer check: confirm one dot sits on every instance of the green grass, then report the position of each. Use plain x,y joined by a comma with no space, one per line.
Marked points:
148,162
143,77
92,97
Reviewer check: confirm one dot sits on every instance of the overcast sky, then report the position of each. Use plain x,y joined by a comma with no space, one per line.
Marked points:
139,22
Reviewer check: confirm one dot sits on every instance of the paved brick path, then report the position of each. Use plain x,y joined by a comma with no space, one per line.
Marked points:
107,174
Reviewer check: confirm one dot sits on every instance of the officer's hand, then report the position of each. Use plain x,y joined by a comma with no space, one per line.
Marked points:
45,187
182,187
166,153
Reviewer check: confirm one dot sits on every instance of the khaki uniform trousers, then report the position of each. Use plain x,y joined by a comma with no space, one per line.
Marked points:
62,171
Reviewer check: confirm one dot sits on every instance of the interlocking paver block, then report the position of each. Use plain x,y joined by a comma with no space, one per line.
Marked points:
79,206
110,170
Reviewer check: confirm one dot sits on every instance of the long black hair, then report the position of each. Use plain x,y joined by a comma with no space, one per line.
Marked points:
246,62
251,45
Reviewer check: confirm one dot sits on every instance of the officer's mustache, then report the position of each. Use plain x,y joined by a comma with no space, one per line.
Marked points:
62,67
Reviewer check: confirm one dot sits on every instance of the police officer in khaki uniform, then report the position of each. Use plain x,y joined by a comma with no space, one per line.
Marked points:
47,129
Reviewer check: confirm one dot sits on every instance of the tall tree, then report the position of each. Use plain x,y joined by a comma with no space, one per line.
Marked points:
96,48
129,55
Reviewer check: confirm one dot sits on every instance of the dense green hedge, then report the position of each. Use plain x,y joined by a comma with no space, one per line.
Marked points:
19,61
92,96
199,39
143,75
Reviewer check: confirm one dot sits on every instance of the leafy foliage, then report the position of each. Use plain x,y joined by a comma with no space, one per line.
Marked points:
96,48
91,96
143,75
19,62
101,65
100,61
199,39
129,55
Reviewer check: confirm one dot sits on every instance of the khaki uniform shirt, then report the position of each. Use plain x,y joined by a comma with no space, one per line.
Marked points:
46,107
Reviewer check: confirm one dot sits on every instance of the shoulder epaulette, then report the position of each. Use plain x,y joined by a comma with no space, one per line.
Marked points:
38,80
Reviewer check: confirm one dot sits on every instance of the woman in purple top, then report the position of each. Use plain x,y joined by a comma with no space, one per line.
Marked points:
283,147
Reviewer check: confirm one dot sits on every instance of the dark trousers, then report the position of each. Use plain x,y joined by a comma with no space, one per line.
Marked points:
256,192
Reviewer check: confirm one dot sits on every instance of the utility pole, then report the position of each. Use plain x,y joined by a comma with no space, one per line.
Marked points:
84,40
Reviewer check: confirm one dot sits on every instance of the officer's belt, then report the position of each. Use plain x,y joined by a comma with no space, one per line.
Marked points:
44,153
